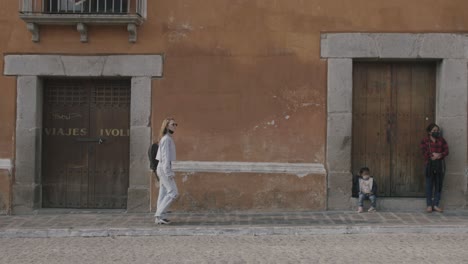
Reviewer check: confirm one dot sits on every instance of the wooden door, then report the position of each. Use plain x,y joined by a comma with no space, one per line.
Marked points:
393,103
85,158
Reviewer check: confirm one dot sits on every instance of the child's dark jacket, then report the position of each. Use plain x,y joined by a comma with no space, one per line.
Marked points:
355,188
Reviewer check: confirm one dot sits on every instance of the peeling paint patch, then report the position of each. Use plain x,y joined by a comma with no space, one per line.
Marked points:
265,125
186,175
177,32
171,19
186,26
302,175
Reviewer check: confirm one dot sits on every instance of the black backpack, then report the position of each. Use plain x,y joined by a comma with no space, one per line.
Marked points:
152,151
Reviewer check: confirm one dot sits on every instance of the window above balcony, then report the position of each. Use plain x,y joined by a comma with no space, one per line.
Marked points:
81,13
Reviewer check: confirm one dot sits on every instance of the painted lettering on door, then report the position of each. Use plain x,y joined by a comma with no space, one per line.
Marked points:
66,131
114,132
108,132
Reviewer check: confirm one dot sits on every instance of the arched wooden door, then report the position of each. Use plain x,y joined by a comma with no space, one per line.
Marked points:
393,102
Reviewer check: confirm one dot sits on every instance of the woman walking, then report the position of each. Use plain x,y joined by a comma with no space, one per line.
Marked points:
166,154
435,149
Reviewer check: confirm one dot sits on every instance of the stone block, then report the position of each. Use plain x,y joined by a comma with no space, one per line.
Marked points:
454,191
400,204
58,65
140,139
393,204
454,131
29,102
26,198
393,45
27,150
442,46
133,65
348,45
339,190
34,65
453,88
140,106
340,85
83,65
138,200
398,45
339,142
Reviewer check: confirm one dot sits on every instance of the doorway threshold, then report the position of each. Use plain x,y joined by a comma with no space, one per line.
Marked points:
396,203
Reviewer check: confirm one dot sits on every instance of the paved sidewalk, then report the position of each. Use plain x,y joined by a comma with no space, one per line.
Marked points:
102,224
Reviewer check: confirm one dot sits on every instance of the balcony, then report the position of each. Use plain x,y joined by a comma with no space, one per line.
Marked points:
81,13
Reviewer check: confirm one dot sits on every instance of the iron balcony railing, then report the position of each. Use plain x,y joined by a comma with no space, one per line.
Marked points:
101,7
81,13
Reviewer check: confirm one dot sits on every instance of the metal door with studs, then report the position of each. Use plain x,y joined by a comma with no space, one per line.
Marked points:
85,143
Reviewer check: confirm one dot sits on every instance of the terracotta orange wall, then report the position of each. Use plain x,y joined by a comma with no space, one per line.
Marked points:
208,191
5,191
241,76
244,78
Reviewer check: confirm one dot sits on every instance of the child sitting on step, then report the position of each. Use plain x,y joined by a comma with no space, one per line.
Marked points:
367,189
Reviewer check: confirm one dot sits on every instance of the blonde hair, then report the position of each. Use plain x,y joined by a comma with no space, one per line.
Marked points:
163,129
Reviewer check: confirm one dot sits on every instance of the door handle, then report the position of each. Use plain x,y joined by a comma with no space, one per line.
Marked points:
98,140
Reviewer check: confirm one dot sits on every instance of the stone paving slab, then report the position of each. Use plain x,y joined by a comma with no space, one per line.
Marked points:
96,224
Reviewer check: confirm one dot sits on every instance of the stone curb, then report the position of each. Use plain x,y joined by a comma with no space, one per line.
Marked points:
232,231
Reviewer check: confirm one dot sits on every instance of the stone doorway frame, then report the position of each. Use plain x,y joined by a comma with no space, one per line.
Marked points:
30,71
451,52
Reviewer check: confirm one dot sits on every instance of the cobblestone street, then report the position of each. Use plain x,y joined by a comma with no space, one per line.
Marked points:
235,237
101,224
368,248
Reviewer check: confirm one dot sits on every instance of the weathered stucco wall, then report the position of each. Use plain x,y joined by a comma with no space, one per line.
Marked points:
246,191
7,116
5,191
5,186
243,78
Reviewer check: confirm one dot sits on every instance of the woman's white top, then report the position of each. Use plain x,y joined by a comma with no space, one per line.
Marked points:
166,154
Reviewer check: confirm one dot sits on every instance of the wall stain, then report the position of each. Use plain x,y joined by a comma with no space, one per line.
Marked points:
346,141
